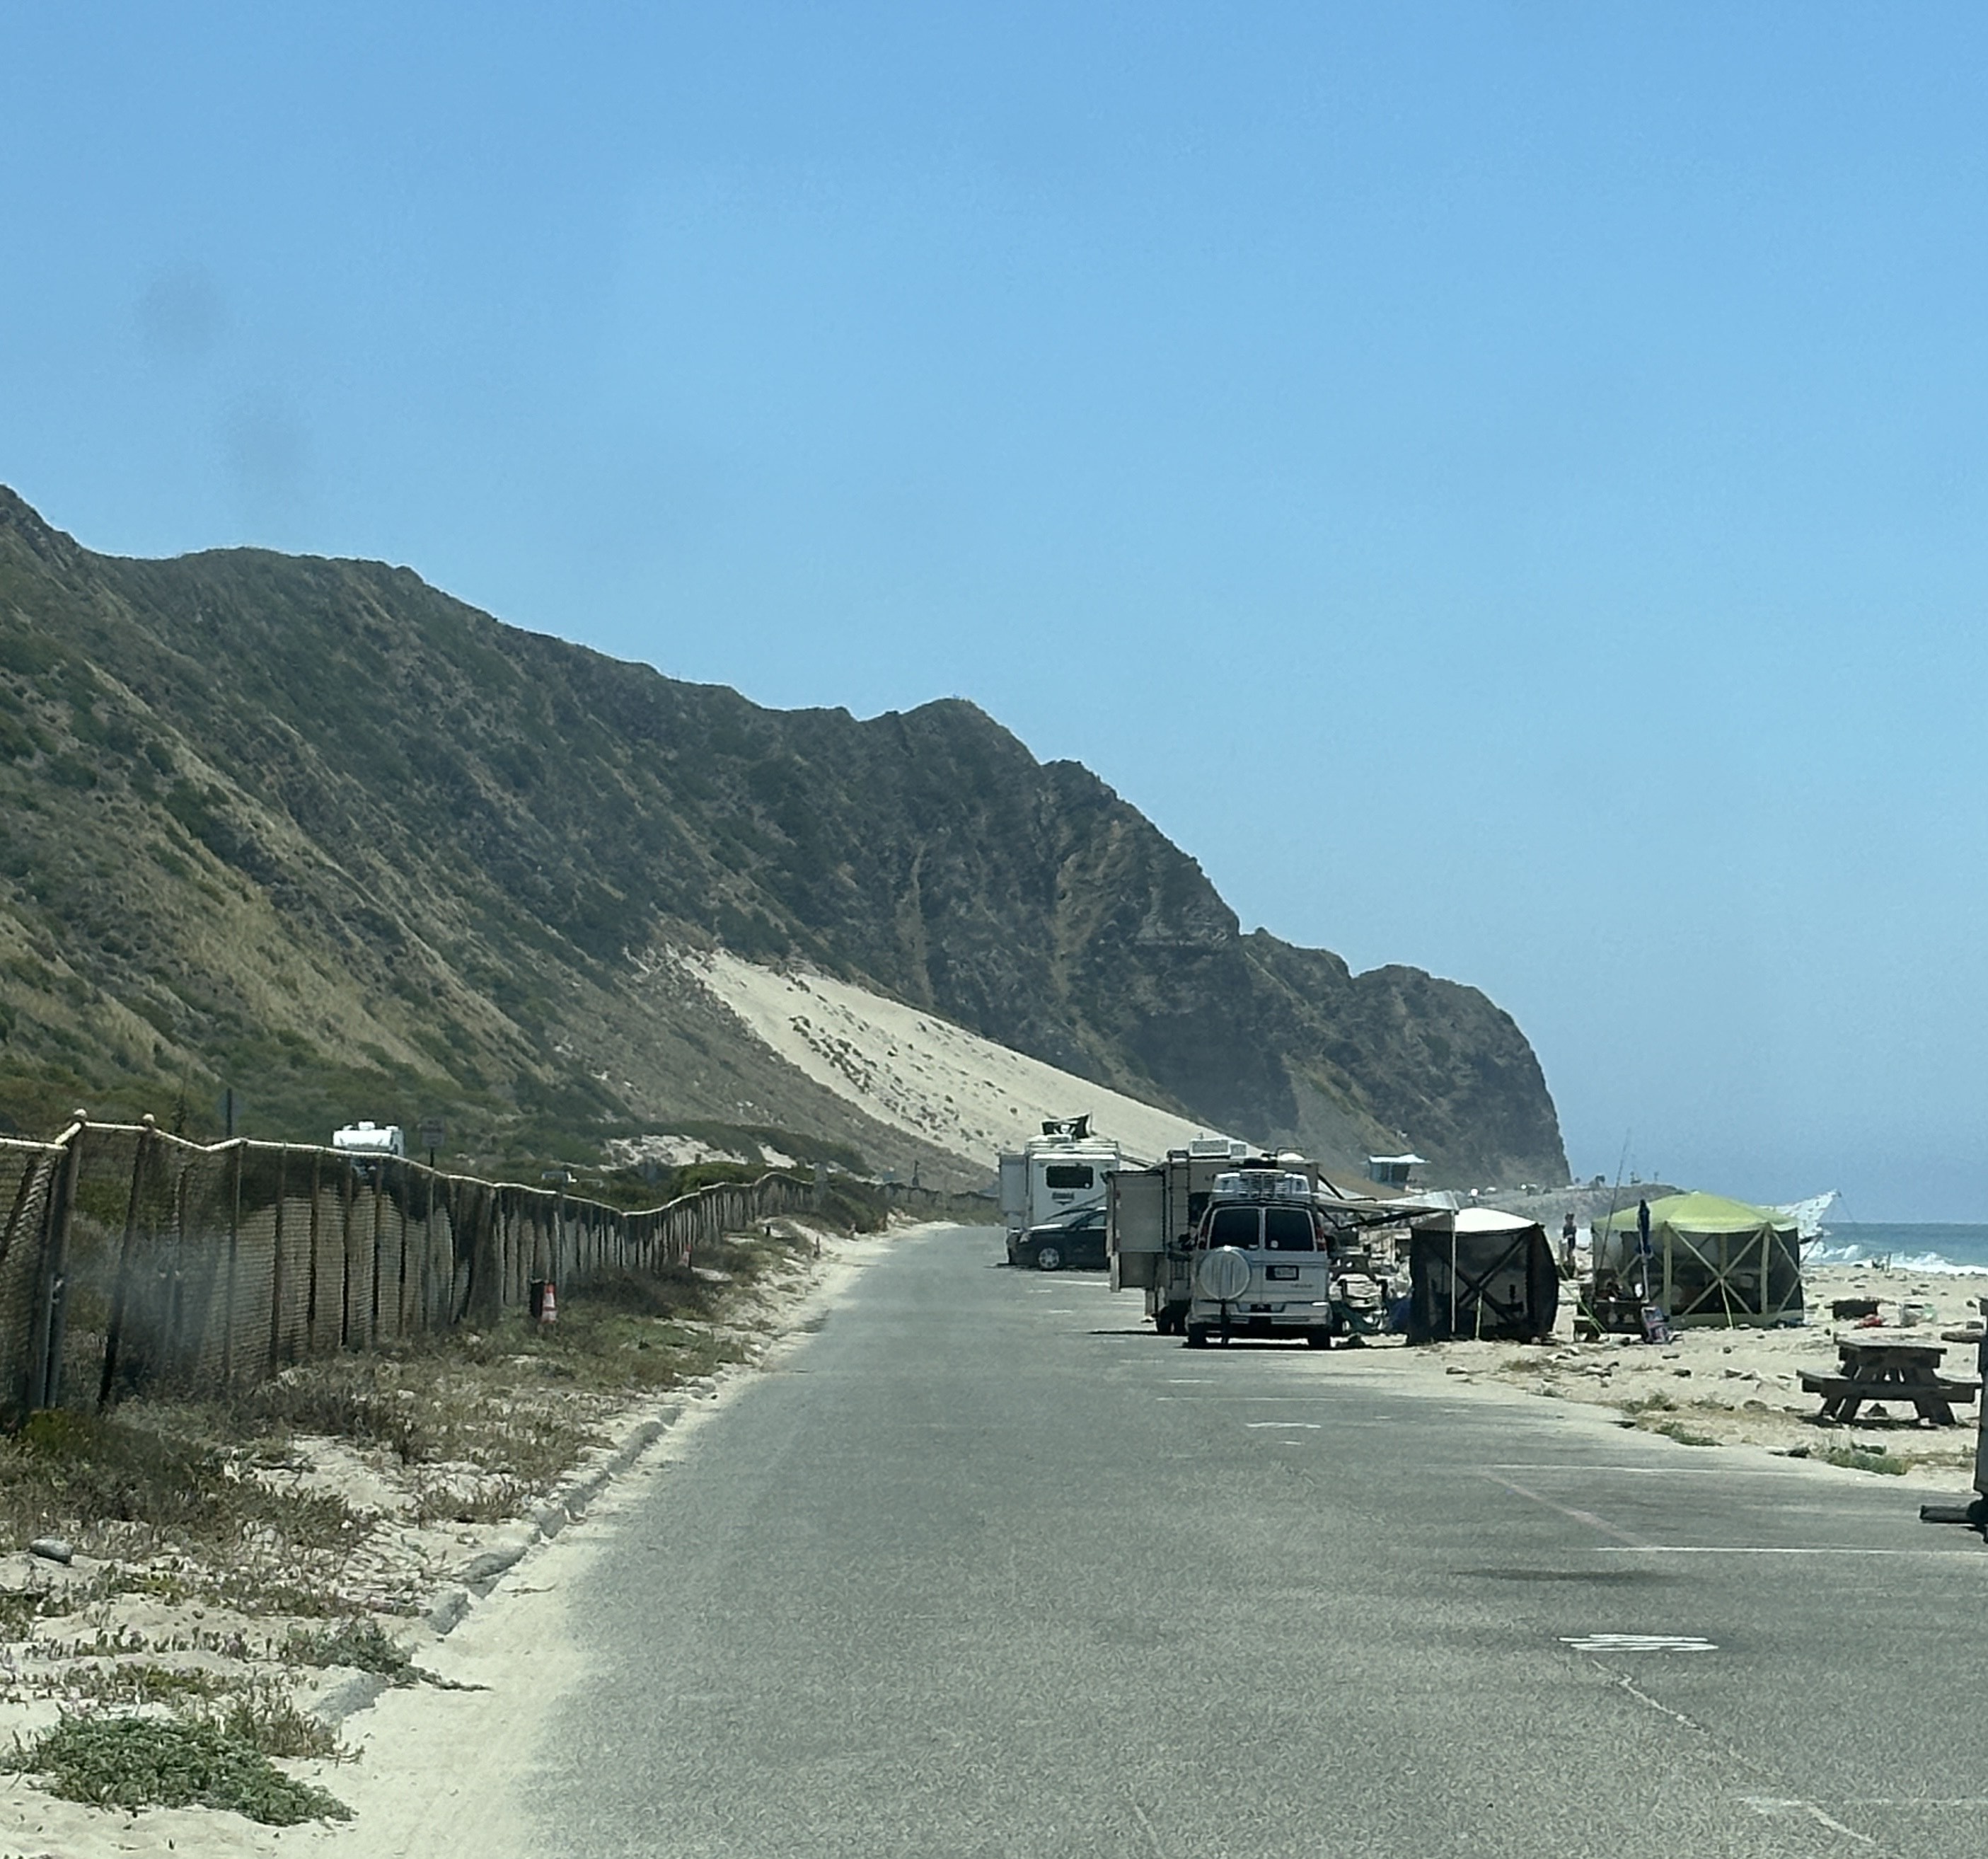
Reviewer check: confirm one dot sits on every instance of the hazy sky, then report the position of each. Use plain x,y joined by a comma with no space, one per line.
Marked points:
1503,486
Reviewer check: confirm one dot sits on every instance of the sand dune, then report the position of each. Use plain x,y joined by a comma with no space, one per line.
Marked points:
917,1072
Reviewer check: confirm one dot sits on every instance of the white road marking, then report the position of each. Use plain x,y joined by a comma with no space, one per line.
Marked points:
1578,1516
1915,1801
1151,1832
1724,1548
1310,1426
1772,1807
1637,1642
1653,1471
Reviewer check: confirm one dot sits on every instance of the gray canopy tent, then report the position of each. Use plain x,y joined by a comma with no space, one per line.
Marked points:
1482,1275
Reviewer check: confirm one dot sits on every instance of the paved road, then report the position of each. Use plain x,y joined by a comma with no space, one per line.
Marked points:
992,1570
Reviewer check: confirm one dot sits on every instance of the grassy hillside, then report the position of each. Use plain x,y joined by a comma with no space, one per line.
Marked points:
313,829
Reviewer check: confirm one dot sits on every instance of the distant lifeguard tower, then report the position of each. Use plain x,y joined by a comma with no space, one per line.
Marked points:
1393,1171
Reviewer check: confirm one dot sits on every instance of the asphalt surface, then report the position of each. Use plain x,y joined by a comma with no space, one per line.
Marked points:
990,1569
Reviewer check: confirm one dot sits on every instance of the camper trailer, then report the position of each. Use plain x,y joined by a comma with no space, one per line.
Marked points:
1149,1229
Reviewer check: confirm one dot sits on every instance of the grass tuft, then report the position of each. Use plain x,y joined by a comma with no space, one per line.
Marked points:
1685,1436
361,1644
1863,1458
132,1761
122,1480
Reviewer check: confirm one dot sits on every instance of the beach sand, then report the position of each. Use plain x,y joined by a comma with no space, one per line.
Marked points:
1741,1387
918,1072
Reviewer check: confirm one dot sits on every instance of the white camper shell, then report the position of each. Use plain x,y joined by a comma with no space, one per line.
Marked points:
364,1139
1056,1174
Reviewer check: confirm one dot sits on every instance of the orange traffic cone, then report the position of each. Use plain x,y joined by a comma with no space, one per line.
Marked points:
549,1309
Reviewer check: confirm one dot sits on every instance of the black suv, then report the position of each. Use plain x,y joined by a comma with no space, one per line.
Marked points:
1077,1240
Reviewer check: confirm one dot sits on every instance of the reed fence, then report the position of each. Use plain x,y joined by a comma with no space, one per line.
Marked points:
129,1257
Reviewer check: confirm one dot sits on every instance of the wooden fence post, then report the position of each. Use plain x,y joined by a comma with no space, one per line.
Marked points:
379,1186
400,1285
276,1265
310,1280
347,1195
120,1292
176,1292
227,1295
44,1387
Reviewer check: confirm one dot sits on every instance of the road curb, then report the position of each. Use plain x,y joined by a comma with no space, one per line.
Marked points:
482,1573
475,1580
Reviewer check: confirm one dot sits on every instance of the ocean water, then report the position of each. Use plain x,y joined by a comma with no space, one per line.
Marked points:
1919,1246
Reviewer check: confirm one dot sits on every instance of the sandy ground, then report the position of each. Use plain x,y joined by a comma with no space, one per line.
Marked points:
918,1073
1741,1387
680,1152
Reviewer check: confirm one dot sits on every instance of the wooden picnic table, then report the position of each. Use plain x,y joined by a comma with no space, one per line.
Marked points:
1880,1369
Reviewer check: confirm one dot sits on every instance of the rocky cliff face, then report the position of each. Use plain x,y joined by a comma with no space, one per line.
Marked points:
298,821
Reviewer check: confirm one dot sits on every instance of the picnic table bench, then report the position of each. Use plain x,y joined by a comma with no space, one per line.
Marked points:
1873,1369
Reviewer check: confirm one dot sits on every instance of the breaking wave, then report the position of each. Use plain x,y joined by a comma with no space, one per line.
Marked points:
1945,1251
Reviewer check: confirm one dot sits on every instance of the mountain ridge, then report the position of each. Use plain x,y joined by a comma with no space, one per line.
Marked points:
387,809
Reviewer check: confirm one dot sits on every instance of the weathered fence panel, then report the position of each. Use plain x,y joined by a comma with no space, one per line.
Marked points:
128,1256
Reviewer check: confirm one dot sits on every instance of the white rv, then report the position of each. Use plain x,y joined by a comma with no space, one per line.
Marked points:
1057,1173
365,1139
1149,1233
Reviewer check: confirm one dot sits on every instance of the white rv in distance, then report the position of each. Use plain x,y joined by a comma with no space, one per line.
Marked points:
1058,1173
365,1139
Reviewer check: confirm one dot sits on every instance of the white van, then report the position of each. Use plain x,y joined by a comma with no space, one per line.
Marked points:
1262,1263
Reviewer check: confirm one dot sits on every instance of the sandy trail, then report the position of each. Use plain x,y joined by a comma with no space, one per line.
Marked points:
1741,1388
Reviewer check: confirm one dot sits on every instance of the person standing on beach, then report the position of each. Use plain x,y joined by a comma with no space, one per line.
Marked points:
1568,1228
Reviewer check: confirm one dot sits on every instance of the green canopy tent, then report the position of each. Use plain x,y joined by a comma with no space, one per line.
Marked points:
1712,1262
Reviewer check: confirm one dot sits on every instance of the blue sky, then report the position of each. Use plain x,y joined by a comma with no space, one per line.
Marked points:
1529,457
